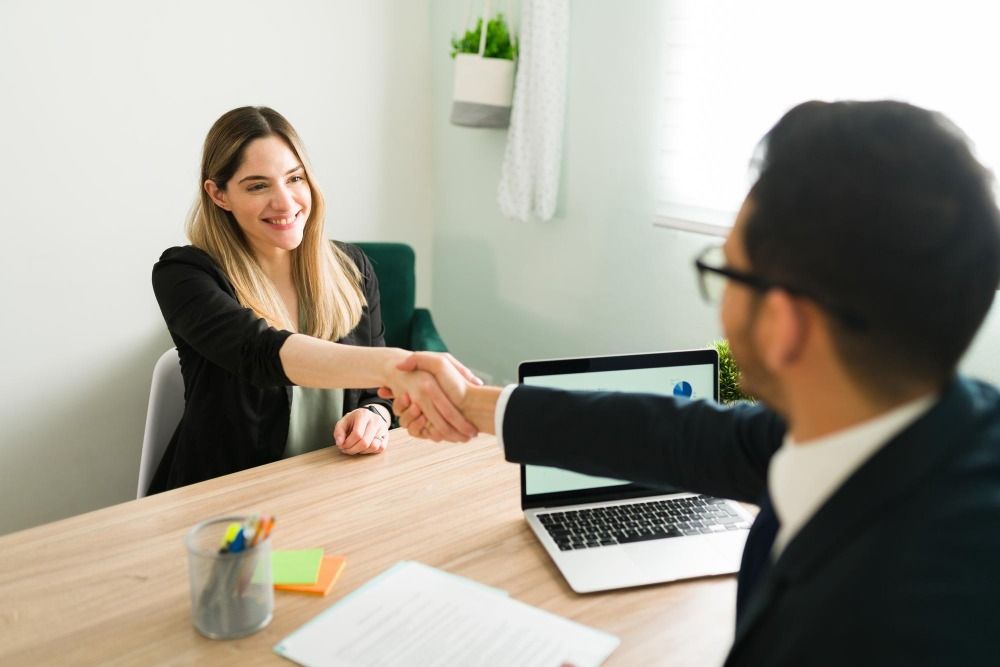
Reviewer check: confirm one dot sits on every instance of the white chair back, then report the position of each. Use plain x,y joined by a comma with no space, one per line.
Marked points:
166,405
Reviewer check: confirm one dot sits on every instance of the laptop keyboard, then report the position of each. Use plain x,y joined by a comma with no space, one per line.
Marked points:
636,522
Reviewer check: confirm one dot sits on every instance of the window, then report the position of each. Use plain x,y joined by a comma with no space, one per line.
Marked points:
733,67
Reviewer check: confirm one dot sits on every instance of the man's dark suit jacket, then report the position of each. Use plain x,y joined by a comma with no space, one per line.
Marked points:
236,396
898,567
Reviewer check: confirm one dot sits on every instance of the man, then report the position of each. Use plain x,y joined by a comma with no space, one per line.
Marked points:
857,272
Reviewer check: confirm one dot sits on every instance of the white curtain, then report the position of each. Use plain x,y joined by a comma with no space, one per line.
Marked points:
529,180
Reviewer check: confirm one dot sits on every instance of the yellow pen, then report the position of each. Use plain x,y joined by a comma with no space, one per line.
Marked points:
231,531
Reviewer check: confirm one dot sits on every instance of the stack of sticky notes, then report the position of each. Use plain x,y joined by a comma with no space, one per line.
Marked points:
305,570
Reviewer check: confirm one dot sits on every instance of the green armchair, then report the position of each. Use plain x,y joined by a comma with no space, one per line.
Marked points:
406,326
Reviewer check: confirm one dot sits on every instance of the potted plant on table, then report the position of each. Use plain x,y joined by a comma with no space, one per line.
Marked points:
484,74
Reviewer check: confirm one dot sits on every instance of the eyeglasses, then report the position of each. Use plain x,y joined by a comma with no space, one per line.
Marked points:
713,274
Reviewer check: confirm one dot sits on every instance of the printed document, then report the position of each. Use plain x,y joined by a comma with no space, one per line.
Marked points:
413,614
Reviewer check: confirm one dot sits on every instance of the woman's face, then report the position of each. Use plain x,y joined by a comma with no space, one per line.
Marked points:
268,195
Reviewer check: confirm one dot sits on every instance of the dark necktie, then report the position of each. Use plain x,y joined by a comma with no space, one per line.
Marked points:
756,554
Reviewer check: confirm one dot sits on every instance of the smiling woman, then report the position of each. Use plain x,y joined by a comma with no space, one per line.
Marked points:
255,174
278,330
281,200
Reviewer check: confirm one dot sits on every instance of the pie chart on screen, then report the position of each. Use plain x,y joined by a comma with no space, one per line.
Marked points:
682,388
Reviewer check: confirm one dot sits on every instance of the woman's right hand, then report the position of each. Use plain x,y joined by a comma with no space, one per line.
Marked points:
435,394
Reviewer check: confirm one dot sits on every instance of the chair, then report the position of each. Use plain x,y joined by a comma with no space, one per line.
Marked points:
166,405
405,325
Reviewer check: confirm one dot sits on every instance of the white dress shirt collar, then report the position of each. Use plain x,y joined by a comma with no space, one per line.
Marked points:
803,476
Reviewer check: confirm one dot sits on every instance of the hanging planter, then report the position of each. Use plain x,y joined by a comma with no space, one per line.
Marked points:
484,73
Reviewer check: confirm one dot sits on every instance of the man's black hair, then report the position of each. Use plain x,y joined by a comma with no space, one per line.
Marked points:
879,209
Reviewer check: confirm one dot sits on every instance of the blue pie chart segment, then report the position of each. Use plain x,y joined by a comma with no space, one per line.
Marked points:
682,388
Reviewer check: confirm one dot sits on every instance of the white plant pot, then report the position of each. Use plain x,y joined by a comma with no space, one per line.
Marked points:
484,89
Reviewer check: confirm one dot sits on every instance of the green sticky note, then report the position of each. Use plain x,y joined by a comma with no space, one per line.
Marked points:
296,566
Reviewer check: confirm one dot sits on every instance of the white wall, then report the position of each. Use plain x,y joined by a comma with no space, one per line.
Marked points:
105,105
597,279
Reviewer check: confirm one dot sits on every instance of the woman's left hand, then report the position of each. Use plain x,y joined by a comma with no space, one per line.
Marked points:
361,431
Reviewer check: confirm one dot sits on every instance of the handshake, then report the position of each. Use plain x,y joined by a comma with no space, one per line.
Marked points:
436,397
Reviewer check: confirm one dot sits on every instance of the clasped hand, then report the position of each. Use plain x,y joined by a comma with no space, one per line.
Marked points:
428,391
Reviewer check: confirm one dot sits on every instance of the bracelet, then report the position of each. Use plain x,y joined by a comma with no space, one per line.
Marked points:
376,411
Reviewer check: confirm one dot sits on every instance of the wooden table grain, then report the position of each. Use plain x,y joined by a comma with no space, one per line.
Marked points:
111,587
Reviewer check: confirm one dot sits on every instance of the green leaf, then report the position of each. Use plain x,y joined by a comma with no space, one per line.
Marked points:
730,390
499,43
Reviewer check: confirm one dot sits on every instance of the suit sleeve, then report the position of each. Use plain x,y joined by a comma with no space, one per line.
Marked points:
200,311
646,438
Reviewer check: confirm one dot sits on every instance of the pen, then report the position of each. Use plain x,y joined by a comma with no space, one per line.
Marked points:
238,543
266,522
267,527
253,537
229,536
259,533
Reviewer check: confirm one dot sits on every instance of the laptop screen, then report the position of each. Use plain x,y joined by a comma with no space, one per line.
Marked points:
689,374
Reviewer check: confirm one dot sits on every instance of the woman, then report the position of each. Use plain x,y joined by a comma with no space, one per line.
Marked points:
255,304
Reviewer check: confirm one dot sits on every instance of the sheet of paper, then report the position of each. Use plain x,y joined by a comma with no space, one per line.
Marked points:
413,614
329,572
296,566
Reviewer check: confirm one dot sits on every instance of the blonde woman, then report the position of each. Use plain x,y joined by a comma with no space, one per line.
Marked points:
278,329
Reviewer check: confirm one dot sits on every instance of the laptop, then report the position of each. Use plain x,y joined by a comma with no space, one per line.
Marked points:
605,533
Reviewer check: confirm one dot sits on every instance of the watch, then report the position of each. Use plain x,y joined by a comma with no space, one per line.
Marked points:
376,411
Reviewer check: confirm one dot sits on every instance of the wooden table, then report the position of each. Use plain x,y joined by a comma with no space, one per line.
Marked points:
111,587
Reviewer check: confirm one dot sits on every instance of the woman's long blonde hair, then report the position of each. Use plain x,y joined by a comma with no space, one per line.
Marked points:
327,282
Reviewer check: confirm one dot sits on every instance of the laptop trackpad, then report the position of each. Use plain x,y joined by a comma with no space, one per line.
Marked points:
670,559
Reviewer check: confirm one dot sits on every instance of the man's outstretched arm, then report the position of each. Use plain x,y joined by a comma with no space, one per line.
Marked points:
648,438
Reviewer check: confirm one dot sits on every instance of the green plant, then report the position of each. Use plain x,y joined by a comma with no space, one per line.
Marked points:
729,376
499,43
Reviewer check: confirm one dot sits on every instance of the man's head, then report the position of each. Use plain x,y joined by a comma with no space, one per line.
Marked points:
877,216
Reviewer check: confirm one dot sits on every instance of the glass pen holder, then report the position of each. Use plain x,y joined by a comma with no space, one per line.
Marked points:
231,593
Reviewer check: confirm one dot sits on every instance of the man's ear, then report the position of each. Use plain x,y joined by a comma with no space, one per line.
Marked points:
782,329
217,194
